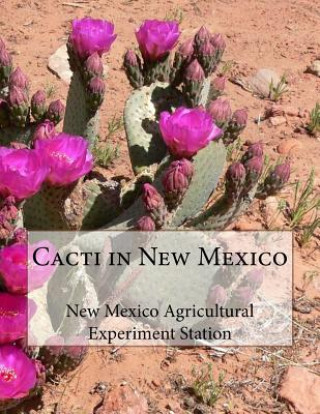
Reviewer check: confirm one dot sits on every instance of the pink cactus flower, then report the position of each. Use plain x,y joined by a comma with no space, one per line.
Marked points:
18,375
20,277
89,36
14,317
187,131
22,172
67,156
156,38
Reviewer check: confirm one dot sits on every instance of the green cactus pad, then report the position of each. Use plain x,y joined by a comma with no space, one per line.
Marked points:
102,203
13,134
208,166
78,120
142,109
45,211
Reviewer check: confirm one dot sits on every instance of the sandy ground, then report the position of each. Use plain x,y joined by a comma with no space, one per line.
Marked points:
280,35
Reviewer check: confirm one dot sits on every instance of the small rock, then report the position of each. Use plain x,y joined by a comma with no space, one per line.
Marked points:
124,400
260,82
59,64
289,146
244,225
277,120
300,389
272,215
314,68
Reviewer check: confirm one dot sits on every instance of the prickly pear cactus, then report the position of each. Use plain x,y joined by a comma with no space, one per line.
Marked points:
14,134
146,146
78,119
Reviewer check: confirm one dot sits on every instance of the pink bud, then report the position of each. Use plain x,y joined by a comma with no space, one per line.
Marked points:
94,65
255,150
206,48
5,58
194,72
151,198
19,79
236,172
20,236
9,209
174,181
97,86
240,117
186,49
219,83
145,223
217,295
38,105
282,172
218,41
17,97
131,59
203,35
56,111
254,165
220,110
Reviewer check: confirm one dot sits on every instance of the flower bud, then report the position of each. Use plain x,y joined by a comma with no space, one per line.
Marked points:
221,112
207,57
55,111
20,236
145,223
175,184
236,125
93,66
132,66
18,106
9,209
202,36
154,204
95,93
240,118
6,228
219,44
186,49
254,168
193,78
277,178
218,86
45,130
235,178
282,172
194,72
5,67
38,105
217,296
19,79
254,150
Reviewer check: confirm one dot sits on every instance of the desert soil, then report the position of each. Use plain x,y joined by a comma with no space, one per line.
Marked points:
281,35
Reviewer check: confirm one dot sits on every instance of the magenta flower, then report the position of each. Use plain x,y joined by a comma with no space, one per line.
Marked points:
14,317
14,266
22,172
89,36
187,131
156,38
18,375
67,156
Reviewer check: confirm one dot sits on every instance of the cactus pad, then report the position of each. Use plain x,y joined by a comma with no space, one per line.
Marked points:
78,120
141,113
208,165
